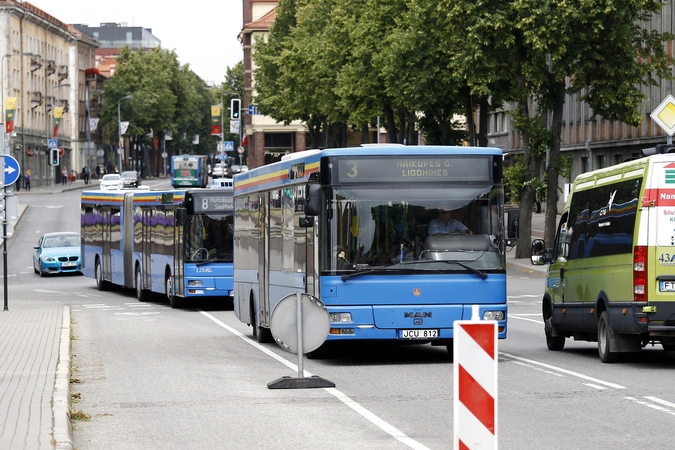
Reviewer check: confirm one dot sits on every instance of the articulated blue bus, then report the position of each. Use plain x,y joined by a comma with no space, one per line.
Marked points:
351,227
177,242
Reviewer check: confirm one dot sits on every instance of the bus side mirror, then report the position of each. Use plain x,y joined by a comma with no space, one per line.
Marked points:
313,200
306,222
181,216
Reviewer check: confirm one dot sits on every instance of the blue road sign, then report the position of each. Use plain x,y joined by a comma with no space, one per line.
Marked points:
228,145
11,170
52,143
252,110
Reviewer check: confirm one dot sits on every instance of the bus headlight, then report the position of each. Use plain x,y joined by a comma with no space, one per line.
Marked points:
493,315
195,283
340,317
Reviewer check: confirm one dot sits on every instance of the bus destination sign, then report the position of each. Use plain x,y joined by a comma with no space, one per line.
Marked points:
411,169
212,203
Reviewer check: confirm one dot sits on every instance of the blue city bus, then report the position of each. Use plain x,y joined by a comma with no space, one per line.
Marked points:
176,242
189,171
350,227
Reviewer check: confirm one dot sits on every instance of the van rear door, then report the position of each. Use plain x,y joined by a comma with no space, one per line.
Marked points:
662,198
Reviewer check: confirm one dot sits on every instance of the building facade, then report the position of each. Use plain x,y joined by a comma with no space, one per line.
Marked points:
42,68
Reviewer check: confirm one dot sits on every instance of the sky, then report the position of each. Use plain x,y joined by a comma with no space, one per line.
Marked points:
203,33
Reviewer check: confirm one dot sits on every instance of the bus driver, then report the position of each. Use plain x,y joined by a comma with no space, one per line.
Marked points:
445,224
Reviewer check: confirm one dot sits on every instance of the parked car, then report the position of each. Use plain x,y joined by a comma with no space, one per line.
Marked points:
57,253
129,179
238,169
111,181
218,183
221,170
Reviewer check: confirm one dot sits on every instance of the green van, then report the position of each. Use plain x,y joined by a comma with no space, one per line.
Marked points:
611,274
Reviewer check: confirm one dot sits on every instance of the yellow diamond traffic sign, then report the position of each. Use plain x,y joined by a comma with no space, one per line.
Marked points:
664,115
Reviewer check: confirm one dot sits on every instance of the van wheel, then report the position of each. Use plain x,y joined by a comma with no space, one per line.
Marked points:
605,332
554,343
141,293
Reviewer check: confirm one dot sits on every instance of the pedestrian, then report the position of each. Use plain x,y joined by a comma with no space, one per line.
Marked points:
84,175
26,180
98,172
71,177
64,176
18,183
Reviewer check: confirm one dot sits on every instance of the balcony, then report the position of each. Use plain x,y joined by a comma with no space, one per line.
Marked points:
51,68
62,72
35,62
35,99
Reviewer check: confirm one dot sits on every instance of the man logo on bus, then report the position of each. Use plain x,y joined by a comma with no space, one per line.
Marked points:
416,292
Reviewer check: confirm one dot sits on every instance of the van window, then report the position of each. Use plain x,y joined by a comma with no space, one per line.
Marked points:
603,220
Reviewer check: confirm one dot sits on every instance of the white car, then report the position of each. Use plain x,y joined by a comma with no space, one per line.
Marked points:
219,183
111,182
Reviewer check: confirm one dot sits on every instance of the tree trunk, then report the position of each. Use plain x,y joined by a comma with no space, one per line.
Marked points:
470,122
391,124
483,121
553,169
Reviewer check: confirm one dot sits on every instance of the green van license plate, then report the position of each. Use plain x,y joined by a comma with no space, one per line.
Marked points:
667,286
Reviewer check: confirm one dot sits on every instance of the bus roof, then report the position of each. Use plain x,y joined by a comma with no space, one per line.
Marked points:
298,166
143,196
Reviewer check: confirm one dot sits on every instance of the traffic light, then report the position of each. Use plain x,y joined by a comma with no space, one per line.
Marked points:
54,156
234,109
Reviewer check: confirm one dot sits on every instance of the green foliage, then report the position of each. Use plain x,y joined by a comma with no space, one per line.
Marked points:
514,178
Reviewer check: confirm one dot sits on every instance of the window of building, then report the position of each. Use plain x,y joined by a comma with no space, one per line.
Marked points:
600,160
584,164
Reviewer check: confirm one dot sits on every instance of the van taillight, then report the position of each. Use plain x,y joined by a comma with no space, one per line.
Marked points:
640,274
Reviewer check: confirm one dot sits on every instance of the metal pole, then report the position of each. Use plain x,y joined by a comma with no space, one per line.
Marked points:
119,132
4,188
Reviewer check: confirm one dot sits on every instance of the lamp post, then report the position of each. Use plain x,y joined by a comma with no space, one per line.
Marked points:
119,131
50,128
4,187
222,137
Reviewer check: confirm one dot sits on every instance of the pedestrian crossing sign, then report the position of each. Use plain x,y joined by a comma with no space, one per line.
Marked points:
229,146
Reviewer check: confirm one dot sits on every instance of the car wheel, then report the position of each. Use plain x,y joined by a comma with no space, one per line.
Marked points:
35,268
605,332
554,343
141,293
41,272
101,284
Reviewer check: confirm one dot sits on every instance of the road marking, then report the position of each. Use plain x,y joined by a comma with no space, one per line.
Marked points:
372,418
525,296
663,402
595,386
649,405
568,372
550,372
513,316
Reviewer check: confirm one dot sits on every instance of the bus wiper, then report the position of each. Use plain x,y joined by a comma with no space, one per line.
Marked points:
370,270
480,273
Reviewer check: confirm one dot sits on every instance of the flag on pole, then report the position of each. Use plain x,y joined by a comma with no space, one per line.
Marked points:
58,114
10,112
216,125
195,139
93,124
123,127
234,126
167,136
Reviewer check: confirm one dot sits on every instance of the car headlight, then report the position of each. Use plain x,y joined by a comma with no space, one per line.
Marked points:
48,259
493,315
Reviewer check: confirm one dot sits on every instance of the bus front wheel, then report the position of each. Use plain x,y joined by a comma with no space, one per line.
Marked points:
605,333
174,302
262,335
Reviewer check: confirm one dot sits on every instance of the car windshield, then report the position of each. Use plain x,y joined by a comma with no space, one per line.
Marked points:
370,228
61,241
129,175
209,237
110,177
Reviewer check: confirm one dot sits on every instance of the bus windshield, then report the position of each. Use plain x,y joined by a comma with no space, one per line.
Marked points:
208,238
442,229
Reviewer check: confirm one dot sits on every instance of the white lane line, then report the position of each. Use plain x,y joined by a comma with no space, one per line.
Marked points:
550,372
663,402
649,405
513,316
595,386
372,418
524,296
568,372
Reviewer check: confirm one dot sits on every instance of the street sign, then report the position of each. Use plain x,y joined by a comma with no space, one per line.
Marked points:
30,152
11,170
229,146
240,150
61,152
52,143
165,154
252,110
664,115
11,207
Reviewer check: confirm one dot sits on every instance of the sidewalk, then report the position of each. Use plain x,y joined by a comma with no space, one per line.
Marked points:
35,357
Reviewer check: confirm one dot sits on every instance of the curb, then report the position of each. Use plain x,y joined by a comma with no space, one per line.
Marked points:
63,431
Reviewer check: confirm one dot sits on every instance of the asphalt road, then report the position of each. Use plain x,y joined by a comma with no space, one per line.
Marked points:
149,376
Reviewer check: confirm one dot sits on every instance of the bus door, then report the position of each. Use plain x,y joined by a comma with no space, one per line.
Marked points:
178,259
264,256
106,235
146,252
127,228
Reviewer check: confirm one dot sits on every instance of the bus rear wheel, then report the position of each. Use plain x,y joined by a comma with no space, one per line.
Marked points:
174,302
101,284
605,333
141,293
262,335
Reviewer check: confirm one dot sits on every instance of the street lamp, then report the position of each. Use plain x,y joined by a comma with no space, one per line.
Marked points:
119,131
50,120
222,136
